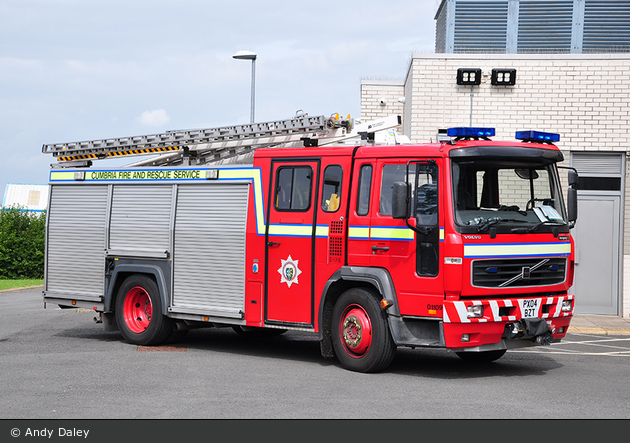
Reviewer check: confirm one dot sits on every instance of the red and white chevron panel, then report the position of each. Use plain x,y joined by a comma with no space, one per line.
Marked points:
517,308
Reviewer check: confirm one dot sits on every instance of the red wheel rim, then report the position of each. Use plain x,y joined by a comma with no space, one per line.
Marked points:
355,330
137,310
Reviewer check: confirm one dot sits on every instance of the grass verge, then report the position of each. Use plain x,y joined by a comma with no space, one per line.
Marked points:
12,284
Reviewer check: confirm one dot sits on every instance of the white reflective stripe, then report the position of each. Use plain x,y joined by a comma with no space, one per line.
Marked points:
462,311
476,250
495,309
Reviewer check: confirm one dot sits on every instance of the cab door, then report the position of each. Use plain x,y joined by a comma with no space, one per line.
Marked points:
411,256
290,240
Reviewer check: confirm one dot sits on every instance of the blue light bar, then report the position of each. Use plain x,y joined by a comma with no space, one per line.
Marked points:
470,132
538,136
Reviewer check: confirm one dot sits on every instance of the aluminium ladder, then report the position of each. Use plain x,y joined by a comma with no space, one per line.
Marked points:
203,146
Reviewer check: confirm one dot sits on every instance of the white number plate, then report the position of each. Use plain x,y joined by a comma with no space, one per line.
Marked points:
530,307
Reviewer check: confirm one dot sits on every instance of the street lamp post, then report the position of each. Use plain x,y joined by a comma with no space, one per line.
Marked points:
249,55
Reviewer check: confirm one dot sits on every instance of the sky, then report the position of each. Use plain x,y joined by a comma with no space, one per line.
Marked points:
77,70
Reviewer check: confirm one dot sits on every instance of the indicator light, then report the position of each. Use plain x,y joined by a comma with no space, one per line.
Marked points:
386,303
452,260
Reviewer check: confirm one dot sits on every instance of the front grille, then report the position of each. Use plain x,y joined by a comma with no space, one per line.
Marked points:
519,272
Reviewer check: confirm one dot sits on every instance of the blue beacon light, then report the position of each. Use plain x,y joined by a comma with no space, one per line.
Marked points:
470,132
537,136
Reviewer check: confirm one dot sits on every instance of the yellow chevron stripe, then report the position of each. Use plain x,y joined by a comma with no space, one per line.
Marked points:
118,153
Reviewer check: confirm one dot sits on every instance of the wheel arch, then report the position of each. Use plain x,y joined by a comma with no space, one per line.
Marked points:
376,280
121,272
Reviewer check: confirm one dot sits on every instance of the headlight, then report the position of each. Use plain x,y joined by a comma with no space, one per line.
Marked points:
567,305
475,311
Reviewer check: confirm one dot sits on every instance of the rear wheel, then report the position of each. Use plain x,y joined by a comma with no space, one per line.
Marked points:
481,357
361,337
139,312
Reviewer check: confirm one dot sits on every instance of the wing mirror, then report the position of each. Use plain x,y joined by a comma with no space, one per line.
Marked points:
400,200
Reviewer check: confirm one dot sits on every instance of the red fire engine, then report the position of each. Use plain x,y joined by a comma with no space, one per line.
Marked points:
463,244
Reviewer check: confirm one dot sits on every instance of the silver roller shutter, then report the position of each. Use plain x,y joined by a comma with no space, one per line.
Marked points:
209,249
597,165
141,218
75,261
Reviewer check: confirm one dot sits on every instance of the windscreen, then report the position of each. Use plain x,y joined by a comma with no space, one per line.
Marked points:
514,196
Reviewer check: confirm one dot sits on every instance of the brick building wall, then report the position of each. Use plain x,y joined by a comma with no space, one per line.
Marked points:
381,99
583,97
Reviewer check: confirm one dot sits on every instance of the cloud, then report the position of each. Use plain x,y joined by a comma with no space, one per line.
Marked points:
157,117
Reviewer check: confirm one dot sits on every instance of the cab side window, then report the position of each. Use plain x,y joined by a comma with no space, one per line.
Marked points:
331,189
363,194
391,174
293,188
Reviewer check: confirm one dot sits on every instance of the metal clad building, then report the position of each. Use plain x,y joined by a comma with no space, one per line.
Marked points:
521,26
31,197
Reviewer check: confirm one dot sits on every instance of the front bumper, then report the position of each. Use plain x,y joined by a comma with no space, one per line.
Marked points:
462,331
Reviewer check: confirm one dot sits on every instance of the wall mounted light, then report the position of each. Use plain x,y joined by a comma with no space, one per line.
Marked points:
503,77
469,76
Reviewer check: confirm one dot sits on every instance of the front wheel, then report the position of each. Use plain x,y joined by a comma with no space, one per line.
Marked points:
139,312
360,333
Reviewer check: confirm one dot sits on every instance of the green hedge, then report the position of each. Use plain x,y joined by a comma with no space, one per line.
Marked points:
22,243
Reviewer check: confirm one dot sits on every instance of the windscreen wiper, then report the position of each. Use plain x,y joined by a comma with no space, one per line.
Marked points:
494,220
538,225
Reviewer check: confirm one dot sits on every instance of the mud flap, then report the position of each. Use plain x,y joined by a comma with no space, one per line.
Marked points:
109,322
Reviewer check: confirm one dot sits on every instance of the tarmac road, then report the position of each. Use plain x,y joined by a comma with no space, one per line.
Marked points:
59,364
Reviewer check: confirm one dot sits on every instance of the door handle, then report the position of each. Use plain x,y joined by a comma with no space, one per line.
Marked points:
270,243
379,248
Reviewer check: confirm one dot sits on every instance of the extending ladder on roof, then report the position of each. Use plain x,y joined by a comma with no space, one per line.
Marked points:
203,146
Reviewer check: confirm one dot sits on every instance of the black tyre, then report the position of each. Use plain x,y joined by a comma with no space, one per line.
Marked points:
139,312
360,333
481,357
